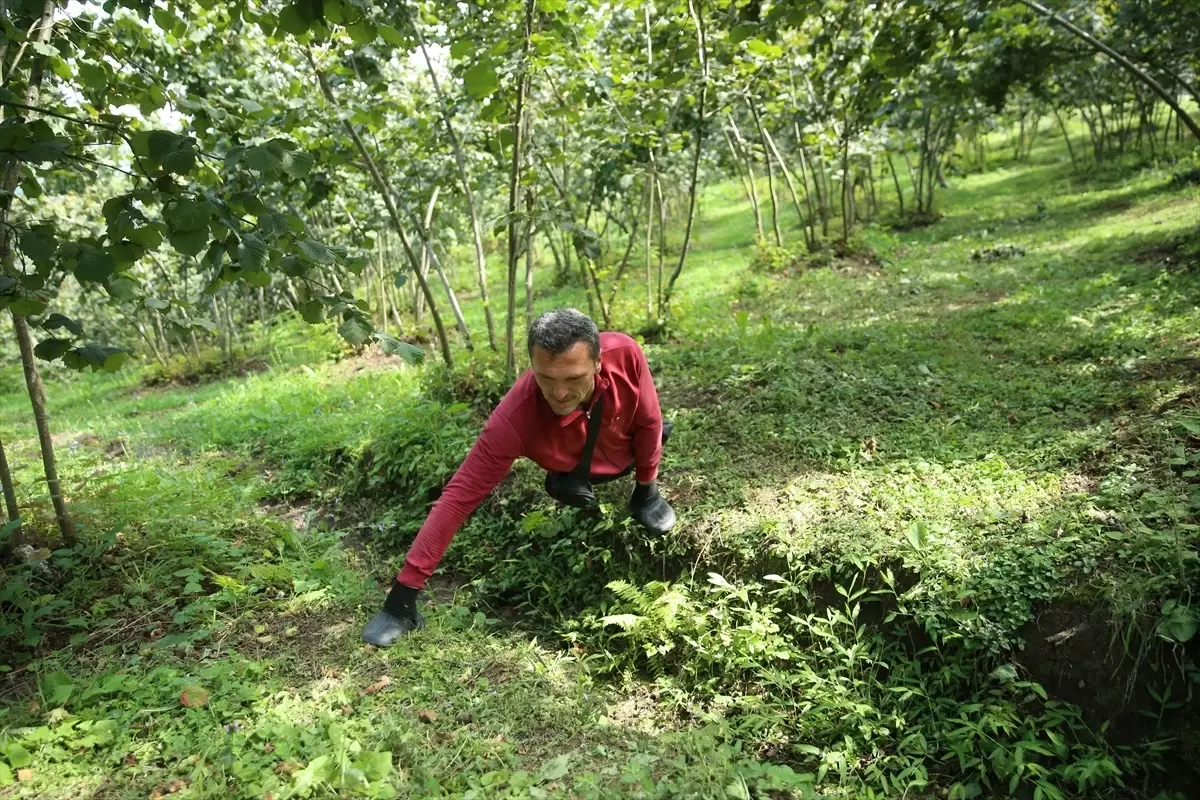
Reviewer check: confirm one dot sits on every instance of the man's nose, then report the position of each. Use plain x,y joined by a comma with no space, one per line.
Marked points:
561,392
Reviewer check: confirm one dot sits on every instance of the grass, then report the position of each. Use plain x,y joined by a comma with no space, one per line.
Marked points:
938,527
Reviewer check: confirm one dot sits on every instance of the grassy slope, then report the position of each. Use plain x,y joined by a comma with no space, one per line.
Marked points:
1011,408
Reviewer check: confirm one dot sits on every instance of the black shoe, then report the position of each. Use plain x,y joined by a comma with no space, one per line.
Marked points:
399,617
651,509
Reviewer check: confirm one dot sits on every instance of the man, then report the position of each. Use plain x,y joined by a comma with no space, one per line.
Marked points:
586,412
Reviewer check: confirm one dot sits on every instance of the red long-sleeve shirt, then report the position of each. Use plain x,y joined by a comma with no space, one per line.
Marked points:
524,425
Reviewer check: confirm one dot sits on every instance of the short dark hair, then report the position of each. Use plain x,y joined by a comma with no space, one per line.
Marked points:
558,331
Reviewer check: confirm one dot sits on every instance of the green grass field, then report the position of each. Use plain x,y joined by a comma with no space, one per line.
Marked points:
938,537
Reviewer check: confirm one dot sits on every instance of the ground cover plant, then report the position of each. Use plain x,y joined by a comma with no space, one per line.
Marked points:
936,440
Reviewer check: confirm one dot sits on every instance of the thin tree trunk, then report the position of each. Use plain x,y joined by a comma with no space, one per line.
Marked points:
787,175
616,283
740,144
1128,65
1067,138
385,189
459,320
37,398
513,185
426,246
805,161
697,12
662,242
460,162
10,492
762,136
737,161
529,239
895,181
649,239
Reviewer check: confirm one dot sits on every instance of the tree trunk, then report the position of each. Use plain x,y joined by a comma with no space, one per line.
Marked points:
385,189
1067,138
895,181
513,185
697,12
649,240
460,162
616,282
37,397
529,239
762,136
10,492
1128,65
740,144
787,175
737,161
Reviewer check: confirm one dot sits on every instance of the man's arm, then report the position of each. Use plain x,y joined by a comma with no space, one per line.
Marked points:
485,466
647,423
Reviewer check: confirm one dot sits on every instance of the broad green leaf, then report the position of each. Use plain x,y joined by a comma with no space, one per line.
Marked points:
39,243
189,243
393,346
298,164
161,143
1005,673
57,688
401,279
31,188
292,21
123,288
6,775
461,48
361,32
28,306
375,765
551,6
99,358
481,80
394,38
917,534
186,214
316,252
51,349
148,237
180,162
355,330
94,264
157,303
556,768
264,158
56,321
255,278
765,49
313,311
740,33
252,252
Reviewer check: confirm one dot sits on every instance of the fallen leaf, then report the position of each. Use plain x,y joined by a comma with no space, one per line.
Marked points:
194,697
427,716
498,738
286,767
269,747
174,786
25,775
269,796
130,760
34,706
347,711
376,686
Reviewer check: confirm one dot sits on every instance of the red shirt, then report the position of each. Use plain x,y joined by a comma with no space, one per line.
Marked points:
524,425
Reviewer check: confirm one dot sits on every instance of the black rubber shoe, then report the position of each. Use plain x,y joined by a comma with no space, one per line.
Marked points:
399,617
651,509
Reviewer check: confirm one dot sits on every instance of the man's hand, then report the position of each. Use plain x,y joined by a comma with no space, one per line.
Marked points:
651,509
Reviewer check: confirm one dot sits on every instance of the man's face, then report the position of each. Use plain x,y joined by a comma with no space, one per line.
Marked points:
566,380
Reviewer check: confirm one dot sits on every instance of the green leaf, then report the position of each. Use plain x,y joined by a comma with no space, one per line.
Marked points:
265,158
355,330
292,21
6,775
361,32
252,252
57,688
180,162
298,164
396,39
375,765
917,534
401,279
186,214
481,80
556,768
255,278
313,311
99,358
123,288
157,303
551,6
148,237
56,321
740,33
189,243
760,48
93,264
28,306
39,243
52,348
462,47
162,143
316,252
393,346
1005,673
31,188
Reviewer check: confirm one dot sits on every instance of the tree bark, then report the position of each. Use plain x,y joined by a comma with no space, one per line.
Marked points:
762,136
514,181
385,189
460,162
740,144
697,12
895,181
649,240
10,492
787,175
37,398
529,239
1128,65
1066,138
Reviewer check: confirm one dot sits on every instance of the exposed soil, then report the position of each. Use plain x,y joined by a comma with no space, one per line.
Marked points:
1077,655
